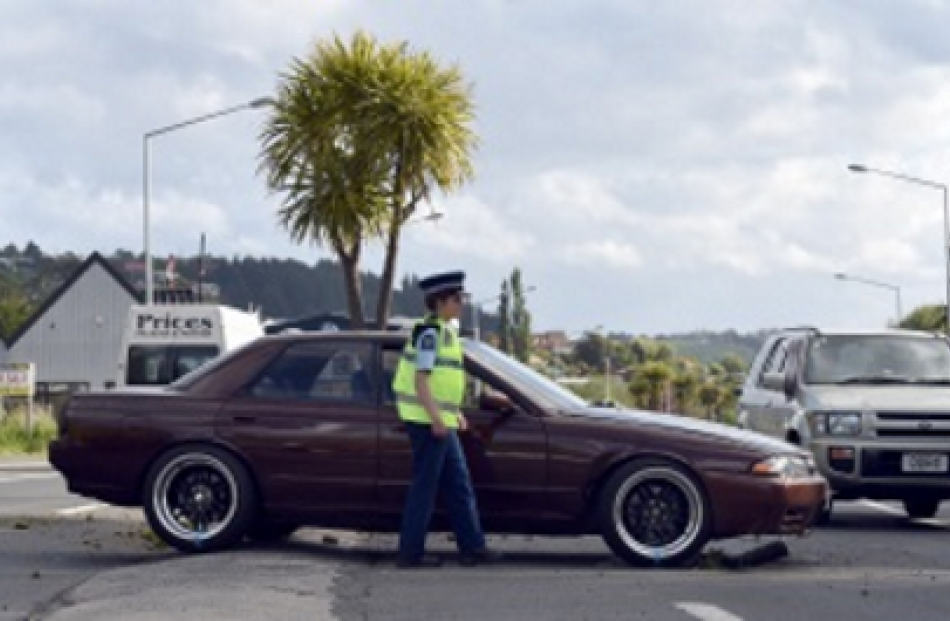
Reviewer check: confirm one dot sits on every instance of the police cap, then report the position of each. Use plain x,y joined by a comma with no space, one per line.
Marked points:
438,283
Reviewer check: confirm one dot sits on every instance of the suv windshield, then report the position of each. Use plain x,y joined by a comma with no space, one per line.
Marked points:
877,359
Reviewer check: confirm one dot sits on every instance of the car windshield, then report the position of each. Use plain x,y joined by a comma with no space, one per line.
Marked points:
524,377
877,360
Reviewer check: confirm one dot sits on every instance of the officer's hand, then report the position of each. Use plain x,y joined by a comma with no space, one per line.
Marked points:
463,422
439,429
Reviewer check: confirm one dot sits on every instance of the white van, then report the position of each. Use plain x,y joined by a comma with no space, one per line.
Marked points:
162,343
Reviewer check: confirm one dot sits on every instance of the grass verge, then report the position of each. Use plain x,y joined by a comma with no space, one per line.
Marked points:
16,439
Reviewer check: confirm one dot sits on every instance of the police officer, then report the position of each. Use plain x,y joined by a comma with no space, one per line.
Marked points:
429,388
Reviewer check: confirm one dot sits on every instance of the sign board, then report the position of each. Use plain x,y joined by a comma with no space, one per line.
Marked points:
17,379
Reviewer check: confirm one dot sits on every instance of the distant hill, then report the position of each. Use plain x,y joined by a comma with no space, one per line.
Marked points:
288,289
280,288
710,347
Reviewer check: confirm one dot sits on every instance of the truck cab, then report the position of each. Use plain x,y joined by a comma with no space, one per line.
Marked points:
163,342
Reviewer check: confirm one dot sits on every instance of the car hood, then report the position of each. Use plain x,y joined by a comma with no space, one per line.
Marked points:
892,397
674,422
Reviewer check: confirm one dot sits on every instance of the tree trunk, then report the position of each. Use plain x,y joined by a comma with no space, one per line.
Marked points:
350,261
385,301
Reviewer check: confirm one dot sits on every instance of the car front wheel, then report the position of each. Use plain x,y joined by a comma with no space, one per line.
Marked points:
654,513
199,499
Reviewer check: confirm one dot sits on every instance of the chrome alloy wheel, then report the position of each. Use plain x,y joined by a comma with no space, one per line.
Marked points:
195,496
658,512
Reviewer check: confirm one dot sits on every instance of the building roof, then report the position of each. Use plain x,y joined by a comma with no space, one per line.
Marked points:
93,259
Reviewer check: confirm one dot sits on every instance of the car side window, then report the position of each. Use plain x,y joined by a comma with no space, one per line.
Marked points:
776,360
330,371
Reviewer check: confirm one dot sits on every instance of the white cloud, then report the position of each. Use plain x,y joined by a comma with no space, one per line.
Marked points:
697,157
605,254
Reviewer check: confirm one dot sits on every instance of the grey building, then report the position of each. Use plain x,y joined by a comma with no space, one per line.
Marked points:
75,336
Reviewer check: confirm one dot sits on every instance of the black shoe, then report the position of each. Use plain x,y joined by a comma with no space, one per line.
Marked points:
485,556
421,562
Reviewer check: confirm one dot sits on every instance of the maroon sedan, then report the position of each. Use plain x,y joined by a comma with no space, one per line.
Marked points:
301,430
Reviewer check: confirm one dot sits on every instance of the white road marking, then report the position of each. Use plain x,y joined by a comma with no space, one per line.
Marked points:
80,509
880,506
29,476
706,612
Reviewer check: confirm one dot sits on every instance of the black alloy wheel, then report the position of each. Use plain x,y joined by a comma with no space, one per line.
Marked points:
655,513
199,499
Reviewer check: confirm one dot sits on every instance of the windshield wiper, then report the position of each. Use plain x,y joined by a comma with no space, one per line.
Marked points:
933,381
875,379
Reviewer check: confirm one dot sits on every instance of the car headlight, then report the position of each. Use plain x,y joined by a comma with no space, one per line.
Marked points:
836,423
785,466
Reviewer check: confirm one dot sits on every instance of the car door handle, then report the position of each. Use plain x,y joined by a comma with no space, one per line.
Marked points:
244,419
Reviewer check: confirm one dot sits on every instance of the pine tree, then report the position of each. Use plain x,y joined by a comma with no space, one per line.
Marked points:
504,319
520,319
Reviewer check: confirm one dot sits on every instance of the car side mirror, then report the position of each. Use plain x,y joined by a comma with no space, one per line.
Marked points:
496,402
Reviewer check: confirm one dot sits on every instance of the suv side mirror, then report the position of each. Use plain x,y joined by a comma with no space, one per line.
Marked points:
774,381
780,382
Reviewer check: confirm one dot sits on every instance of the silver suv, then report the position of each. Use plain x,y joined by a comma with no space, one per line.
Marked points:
873,407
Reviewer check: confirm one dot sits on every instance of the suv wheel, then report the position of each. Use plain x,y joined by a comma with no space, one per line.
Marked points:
921,507
654,513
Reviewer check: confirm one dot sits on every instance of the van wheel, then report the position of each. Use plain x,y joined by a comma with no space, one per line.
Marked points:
199,499
654,513
918,508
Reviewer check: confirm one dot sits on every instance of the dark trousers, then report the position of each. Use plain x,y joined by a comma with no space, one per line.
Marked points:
438,467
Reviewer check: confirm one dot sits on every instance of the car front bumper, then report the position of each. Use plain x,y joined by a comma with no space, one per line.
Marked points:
746,504
876,469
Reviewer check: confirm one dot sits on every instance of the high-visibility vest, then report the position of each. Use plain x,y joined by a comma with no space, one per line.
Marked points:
446,380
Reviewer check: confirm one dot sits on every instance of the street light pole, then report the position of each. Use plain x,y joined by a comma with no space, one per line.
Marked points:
147,182
884,285
946,218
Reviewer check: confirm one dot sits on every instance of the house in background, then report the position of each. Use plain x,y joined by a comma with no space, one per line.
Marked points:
555,341
75,335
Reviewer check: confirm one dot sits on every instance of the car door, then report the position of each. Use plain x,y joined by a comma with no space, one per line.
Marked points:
506,451
308,426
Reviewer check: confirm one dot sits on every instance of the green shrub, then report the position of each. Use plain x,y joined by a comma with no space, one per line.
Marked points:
16,439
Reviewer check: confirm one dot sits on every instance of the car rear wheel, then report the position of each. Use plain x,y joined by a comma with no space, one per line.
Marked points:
918,508
655,513
199,499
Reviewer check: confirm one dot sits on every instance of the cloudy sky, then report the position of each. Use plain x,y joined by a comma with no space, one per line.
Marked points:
650,166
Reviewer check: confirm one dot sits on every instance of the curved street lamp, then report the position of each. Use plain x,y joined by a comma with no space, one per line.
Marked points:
858,168
146,176
874,283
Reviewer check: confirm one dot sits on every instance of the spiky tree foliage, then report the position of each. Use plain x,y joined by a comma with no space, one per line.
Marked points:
360,134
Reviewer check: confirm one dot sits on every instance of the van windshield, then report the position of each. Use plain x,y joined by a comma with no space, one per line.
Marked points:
877,360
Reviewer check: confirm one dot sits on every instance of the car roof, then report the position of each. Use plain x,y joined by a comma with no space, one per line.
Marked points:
349,335
882,332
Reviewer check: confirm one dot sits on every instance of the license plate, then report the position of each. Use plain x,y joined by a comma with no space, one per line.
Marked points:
924,462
